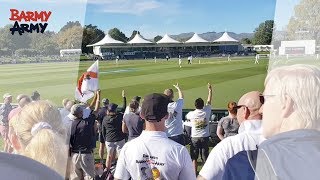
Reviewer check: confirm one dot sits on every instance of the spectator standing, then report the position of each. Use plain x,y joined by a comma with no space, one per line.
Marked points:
174,124
249,137
200,128
228,126
132,123
112,131
81,140
291,114
101,114
152,155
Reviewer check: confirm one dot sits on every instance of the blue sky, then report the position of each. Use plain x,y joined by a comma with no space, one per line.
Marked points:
178,16
157,17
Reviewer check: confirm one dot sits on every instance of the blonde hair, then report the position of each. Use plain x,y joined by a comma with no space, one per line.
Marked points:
47,145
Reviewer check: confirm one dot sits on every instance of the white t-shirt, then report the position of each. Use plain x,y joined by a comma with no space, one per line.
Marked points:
153,156
174,122
200,121
250,135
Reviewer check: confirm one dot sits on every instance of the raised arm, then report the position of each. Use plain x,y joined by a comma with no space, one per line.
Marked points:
93,102
209,100
96,103
179,91
124,104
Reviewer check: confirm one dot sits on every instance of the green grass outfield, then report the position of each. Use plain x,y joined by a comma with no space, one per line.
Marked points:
56,81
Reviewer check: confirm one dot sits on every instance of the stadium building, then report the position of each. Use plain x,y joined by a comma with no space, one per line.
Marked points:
141,48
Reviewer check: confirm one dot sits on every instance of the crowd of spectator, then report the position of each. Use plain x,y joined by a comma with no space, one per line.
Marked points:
269,135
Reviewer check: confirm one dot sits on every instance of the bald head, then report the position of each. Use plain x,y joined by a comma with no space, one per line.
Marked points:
69,105
23,100
250,106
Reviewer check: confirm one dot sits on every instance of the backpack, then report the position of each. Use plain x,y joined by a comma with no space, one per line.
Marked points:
105,175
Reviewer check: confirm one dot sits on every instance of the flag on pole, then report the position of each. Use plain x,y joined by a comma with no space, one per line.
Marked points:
88,83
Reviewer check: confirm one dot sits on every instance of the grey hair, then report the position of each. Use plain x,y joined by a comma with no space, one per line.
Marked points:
301,83
76,109
69,105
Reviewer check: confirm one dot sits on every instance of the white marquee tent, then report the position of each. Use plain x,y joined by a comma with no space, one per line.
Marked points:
138,39
226,38
167,40
196,39
107,40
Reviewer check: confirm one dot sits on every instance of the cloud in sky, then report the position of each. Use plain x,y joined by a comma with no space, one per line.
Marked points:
135,7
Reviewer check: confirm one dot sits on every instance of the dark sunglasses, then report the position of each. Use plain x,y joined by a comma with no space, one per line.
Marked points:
261,98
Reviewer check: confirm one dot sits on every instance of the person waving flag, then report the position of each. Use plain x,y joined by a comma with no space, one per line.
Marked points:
88,83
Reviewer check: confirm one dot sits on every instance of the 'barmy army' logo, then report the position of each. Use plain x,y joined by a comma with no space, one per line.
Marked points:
28,17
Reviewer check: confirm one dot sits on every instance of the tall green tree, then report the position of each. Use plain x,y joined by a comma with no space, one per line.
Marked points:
263,33
116,34
305,23
157,38
133,34
91,35
13,42
44,44
246,41
70,24
70,38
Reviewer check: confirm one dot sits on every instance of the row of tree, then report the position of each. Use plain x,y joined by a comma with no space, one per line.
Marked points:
73,35
304,24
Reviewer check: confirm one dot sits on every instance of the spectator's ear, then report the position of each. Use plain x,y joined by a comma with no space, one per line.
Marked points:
142,116
287,107
246,113
15,142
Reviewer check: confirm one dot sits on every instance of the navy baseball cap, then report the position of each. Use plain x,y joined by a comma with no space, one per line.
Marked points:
155,107
112,107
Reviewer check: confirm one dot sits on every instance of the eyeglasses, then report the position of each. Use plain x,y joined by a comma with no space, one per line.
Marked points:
240,106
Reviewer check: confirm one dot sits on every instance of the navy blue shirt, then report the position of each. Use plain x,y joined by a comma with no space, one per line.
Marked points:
82,134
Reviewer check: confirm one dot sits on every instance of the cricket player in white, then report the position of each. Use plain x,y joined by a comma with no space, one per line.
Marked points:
117,59
229,59
257,59
180,61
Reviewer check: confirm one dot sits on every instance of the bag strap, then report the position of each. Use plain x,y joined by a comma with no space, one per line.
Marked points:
261,165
